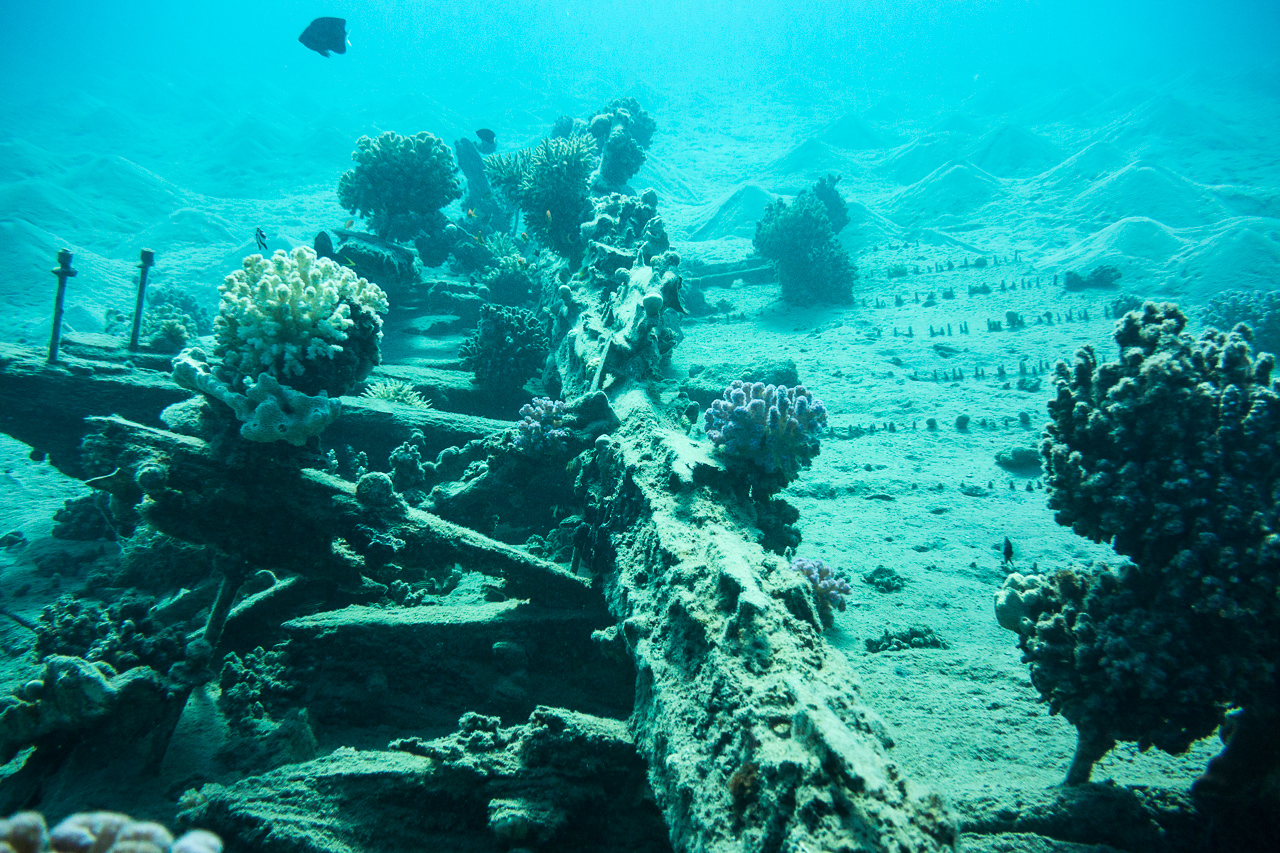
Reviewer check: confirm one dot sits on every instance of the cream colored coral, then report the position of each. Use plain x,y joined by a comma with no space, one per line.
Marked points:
268,411
280,312
98,832
1016,599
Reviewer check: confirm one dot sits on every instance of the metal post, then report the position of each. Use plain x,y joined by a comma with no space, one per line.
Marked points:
63,271
148,259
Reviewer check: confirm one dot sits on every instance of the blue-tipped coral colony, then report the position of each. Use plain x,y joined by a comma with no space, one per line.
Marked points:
787,428
772,429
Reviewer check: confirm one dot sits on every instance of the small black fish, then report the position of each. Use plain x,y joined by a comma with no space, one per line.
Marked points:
261,237
488,140
326,34
1008,551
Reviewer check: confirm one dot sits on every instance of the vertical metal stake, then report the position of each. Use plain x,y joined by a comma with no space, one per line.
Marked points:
148,260
63,271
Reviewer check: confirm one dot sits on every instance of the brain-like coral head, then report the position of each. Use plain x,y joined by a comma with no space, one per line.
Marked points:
770,429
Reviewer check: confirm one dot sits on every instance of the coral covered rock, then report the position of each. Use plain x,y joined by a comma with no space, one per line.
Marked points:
398,181
626,113
304,320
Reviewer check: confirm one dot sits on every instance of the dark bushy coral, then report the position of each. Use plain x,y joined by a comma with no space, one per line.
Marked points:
185,302
508,347
164,328
800,238
837,210
1169,454
510,277
85,519
554,192
771,431
398,181
258,686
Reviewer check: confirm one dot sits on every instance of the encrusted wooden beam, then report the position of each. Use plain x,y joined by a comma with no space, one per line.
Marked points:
45,406
261,507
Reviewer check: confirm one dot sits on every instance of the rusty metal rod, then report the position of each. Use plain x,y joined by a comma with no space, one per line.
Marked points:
148,260
63,271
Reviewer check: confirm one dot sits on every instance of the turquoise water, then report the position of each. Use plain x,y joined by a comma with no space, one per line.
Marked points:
985,150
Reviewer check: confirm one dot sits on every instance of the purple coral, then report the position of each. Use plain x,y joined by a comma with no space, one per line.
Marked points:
772,427
829,587
540,426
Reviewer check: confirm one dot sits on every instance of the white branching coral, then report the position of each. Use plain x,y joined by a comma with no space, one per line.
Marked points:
307,321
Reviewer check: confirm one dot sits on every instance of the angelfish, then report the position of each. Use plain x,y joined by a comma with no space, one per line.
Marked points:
261,237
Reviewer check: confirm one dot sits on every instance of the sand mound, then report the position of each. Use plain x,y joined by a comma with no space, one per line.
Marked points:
1010,151
853,133
124,193
917,159
669,182
1165,119
734,216
46,204
890,108
810,158
955,189
1245,256
1140,248
866,228
30,252
325,143
27,287
1084,167
1249,200
20,160
103,125
185,227
1073,102
959,123
1142,190
267,134
999,97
